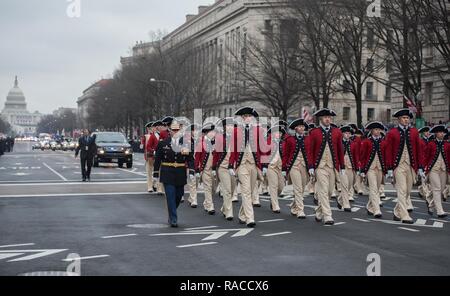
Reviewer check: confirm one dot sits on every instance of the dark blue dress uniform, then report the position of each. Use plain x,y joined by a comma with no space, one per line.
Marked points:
170,166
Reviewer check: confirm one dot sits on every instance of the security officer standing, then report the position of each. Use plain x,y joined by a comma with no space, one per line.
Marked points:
171,159
87,146
2,145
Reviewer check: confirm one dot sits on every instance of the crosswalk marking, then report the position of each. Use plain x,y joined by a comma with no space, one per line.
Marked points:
277,233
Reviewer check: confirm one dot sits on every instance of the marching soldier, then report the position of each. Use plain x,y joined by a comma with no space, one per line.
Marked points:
403,160
159,134
382,193
150,143
246,159
296,163
171,159
194,135
222,164
358,182
273,167
204,166
424,188
437,165
351,163
373,166
327,156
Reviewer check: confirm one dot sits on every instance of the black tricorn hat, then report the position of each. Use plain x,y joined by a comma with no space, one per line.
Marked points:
247,111
157,123
167,120
353,126
375,124
311,125
149,124
277,128
403,112
424,129
347,129
439,128
298,122
325,112
207,127
283,123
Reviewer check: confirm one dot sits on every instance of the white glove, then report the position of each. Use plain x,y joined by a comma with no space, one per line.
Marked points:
283,173
231,171
192,177
214,173
362,175
358,173
422,174
311,172
197,175
390,174
342,172
264,171
155,180
141,146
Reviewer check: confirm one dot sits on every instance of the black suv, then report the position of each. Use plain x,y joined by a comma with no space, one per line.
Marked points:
113,147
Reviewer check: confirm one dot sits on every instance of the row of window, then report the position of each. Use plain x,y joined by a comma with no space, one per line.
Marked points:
370,114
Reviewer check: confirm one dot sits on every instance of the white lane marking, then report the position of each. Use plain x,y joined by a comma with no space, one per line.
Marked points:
202,227
435,224
17,245
277,233
339,223
197,245
439,220
361,220
420,222
85,258
438,224
136,173
39,253
268,221
355,209
358,206
119,235
9,255
42,182
74,194
409,229
56,173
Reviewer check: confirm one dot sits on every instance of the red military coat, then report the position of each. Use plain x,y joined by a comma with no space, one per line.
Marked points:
394,148
223,146
292,148
318,142
202,154
150,146
257,141
354,153
269,155
368,153
431,155
163,135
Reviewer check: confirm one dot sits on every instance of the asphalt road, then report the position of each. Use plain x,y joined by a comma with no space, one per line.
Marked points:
117,228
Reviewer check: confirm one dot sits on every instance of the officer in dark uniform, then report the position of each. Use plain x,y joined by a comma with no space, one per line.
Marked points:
2,145
88,148
173,156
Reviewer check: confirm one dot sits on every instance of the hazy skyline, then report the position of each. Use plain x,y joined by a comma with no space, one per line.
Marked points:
56,57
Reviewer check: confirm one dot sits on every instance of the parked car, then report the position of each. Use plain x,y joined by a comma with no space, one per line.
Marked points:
113,147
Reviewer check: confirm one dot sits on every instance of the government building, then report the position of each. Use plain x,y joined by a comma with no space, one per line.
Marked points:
218,35
15,112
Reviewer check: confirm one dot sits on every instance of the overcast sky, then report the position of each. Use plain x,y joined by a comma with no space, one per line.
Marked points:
57,57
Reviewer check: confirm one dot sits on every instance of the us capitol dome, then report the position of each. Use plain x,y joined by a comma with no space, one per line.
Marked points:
15,112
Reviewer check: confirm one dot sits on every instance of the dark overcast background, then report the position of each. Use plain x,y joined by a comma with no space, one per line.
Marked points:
57,57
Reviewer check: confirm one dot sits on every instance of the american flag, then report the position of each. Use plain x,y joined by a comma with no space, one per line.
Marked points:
306,115
410,104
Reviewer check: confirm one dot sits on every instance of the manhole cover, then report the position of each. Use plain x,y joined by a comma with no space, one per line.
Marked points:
49,273
148,226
